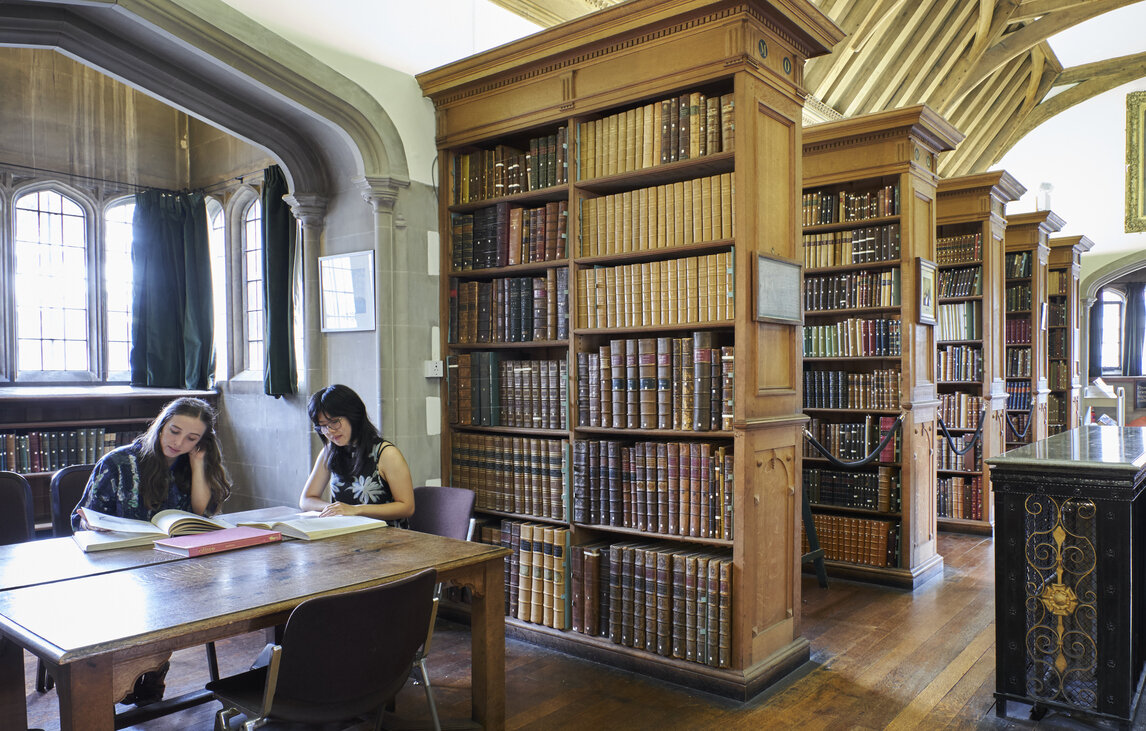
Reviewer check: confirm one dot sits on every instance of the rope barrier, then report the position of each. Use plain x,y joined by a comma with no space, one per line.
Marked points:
860,462
974,438
1027,428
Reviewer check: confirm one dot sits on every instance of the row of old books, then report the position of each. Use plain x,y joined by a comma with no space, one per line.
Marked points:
854,246
959,497
48,451
857,540
1017,363
1017,298
961,282
542,162
1058,282
674,214
959,321
536,573
869,489
1018,397
693,289
1057,343
685,127
959,249
851,290
661,599
512,474
674,488
681,383
959,363
853,337
850,441
875,389
510,309
1057,313
948,455
960,410
1017,265
1058,411
485,388
837,206
504,235
1058,375
1017,331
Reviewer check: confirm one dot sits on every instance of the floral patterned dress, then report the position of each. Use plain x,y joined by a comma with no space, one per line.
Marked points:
113,488
369,489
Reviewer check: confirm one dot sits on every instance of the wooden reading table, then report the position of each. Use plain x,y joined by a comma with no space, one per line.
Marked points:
95,619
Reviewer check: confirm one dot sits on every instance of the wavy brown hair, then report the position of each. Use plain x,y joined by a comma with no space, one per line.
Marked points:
155,475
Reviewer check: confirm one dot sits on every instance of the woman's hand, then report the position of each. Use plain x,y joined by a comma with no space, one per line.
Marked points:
338,509
196,456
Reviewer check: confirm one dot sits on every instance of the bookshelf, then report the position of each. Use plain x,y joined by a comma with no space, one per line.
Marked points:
589,491
46,428
1026,253
1064,367
869,214
969,372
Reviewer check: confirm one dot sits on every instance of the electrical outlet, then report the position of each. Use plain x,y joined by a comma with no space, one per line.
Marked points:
434,368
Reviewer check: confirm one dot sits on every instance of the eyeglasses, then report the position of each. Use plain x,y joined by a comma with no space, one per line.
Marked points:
330,426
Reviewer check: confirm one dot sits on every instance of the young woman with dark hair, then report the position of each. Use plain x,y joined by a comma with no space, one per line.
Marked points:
176,463
367,474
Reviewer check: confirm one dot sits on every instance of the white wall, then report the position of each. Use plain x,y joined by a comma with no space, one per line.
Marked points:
381,44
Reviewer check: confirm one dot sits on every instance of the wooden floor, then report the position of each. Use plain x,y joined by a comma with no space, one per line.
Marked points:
881,659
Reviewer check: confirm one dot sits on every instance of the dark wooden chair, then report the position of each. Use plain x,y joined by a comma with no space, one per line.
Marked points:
318,676
17,523
66,490
442,511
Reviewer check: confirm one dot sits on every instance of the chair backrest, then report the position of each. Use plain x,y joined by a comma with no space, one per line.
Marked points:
67,488
443,511
347,654
16,522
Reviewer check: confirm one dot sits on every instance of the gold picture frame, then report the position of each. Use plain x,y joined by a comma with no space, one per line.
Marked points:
1135,165
926,273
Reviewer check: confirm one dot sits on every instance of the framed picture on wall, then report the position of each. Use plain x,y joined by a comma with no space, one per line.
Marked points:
928,290
778,290
346,286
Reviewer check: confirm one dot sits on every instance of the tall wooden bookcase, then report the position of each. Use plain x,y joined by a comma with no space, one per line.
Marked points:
870,214
971,214
604,84
1026,312
1064,367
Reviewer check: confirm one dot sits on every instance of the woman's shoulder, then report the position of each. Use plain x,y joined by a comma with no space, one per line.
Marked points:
121,455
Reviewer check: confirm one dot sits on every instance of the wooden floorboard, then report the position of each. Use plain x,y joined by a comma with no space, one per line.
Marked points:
881,658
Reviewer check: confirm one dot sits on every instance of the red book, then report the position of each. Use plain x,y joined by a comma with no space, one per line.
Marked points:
214,541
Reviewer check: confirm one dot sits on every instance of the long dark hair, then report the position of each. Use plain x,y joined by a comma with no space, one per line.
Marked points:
154,474
338,401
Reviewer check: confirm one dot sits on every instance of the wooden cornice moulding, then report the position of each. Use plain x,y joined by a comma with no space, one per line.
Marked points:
620,28
1077,244
1000,183
1047,221
920,122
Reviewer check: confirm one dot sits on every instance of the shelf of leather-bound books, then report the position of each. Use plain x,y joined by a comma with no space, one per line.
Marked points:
1063,345
868,215
969,370
663,218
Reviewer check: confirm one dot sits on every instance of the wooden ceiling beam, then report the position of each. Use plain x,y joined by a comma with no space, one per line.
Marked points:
964,160
1022,40
866,15
890,58
1031,9
996,145
921,88
987,32
920,51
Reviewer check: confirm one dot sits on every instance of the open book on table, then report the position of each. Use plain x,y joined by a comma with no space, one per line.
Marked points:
111,531
309,527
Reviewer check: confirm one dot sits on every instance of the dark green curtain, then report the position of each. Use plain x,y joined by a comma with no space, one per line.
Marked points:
1134,329
1095,337
172,329
279,376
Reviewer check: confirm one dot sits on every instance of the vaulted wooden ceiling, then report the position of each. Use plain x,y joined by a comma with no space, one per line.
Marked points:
984,65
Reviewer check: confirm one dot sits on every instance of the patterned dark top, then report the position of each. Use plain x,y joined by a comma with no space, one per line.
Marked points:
369,489
113,488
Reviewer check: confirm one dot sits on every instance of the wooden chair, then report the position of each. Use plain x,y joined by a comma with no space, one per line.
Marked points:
441,511
67,488
17,523
324,670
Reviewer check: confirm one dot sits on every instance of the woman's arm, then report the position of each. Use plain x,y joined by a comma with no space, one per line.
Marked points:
200,487
393,468
312,492
100,494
